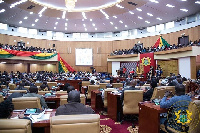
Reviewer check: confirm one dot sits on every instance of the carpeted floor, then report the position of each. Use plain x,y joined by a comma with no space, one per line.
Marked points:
107,125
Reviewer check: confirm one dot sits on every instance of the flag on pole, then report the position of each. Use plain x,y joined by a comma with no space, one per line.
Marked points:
161,42
63,66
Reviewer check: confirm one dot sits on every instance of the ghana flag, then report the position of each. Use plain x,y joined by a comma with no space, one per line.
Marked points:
161,43
63,66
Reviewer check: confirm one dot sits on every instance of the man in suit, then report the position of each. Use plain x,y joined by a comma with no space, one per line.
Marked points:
74,106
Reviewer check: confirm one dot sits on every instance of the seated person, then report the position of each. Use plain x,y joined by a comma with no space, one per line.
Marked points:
70,88
74,106
178,102
6,108
149,92
66,86
33,93
44,86
21,87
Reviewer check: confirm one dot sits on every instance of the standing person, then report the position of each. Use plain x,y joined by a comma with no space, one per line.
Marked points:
124,71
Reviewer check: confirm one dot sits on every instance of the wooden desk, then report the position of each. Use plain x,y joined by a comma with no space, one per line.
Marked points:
74,83
149,117
55,99
96,100
41,126
114,106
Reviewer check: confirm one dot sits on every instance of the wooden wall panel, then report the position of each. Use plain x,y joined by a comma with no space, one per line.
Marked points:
168,66
193,67
13,67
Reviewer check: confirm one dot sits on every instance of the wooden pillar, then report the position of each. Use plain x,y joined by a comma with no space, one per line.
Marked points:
193,67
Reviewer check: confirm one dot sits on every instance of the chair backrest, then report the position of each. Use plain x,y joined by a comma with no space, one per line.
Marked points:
91,88
1,98
102,85
43,92
50,84
170,88
194,107
85,83
3,86
27,87
146,85
12,86
26,102
38,84
86,123
61,92
117,85
107,81
131,100
105,96
158,92
186,84
15,126
20,91
63,99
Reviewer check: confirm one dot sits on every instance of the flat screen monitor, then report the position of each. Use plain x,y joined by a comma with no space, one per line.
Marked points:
84,56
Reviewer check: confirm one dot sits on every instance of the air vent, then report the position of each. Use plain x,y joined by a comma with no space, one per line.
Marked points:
141,28
30,7
42,30
132,3
13,26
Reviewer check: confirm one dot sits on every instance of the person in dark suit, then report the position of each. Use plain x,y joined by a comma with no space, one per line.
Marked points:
149,92
74,106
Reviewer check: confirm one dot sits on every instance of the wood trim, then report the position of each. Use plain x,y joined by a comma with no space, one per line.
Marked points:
174,51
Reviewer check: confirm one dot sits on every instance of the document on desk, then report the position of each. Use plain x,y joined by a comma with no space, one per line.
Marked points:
40,117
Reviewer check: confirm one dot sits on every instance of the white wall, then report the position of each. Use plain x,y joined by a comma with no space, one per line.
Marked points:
115,66
184,67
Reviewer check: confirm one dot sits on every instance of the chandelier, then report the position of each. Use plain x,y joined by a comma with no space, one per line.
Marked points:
70,4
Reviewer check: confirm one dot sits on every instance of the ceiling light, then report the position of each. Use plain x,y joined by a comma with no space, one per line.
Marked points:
183,0
2,10
31,12
33,24
121,21
58,18
54,27
155,1
70,4
65,28
111,23
66,19
126,26
90,19
185,10
43,9
3,62
20,22
84,16
83,20
36,20
168,5
140,17
63,15
119,6
17,3
115,27
56,23
25,17
1,1
147,22
93,24
197,2
106,15
65,24
84,25
159,18
40,15
150,14
114,16
131,12
85,29
139,9
95,28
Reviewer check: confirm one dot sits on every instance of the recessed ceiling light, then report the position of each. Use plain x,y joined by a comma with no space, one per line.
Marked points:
104,13
85,29
126,26
83,19
147,22
150,14
119,6
63,15
121,21
131,12
56,23
159,18
185,10
31,12
40,15
114,16
65,24
33,24
54,27
111,23
90,19
20,22
2,10
66,19
58,18
155,1
36,20
93,24
17,3
1,1
95,28
183,0
25,17
168,5
197,2
107,17
115,27
43,9
84,25
140,17
65,28
139,9
84,16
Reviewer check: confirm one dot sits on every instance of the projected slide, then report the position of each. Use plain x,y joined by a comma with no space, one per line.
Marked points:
84,56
